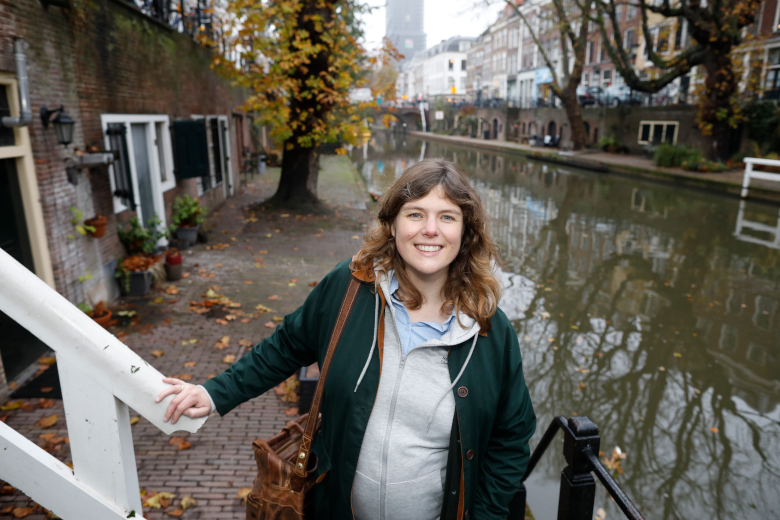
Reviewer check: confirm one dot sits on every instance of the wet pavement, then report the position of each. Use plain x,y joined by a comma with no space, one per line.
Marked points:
265,258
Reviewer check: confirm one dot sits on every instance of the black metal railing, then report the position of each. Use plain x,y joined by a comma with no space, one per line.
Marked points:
578,488
190,17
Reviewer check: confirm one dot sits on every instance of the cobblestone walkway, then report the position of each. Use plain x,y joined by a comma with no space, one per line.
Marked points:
250,262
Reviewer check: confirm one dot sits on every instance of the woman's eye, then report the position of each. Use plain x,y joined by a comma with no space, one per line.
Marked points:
414,215
448,217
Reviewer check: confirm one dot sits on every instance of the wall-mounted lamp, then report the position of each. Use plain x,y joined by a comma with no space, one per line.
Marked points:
63,124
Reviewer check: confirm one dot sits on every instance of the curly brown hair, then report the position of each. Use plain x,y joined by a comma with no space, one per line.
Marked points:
471,287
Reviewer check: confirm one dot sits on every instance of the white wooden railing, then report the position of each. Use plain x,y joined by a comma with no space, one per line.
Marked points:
750,174
100,378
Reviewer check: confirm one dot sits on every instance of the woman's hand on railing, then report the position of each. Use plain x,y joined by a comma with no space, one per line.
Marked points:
190,400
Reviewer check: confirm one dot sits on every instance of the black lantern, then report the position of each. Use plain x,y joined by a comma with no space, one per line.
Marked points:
63,124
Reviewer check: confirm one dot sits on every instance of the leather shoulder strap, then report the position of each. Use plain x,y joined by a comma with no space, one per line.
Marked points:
308,434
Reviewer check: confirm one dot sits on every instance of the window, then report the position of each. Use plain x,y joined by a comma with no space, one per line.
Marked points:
7,134
772,80
590,54
756,354
603,53
765,311
451,65
631,13
606,77
657,132
619,12
729,336
628,40
143,170
662,45
585,78
462,64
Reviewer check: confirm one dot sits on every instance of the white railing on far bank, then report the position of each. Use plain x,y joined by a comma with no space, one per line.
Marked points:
100,378
751,174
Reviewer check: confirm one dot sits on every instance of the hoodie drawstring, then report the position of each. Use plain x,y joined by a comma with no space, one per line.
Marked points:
373,342
463,368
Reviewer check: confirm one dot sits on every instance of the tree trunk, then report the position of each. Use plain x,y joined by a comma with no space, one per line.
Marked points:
715,108
579,137
298,183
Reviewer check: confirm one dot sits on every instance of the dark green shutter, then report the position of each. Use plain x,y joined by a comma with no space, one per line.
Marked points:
190,149
123,180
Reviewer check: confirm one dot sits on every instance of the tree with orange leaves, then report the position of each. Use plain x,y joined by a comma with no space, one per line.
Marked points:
299,59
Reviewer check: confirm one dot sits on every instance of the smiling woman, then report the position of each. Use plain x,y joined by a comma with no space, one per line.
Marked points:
427,415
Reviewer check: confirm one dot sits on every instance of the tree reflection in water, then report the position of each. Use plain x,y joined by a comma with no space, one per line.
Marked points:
635,305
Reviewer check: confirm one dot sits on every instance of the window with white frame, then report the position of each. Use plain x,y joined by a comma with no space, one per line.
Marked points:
143,170
657,132
776,25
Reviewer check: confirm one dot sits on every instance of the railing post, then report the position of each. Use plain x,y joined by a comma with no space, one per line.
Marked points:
517,505
578,488
101,442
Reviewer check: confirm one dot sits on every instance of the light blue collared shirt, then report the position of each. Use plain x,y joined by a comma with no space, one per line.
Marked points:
415,334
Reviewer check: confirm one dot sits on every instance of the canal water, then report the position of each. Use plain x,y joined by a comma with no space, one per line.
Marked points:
652,309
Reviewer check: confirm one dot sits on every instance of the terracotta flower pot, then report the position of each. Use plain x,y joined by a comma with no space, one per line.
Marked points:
103,319
99,223
173,259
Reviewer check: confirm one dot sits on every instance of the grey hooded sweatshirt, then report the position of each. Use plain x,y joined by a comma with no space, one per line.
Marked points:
403,459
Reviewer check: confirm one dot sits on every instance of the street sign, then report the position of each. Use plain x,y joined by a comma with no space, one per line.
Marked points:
439,115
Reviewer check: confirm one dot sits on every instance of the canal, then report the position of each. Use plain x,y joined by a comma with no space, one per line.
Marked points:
650,308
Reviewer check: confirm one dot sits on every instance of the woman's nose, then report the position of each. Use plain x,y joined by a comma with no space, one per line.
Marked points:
431,228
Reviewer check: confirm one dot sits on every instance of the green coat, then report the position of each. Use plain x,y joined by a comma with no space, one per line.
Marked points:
489,447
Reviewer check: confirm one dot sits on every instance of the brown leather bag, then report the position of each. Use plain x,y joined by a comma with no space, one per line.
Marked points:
286,472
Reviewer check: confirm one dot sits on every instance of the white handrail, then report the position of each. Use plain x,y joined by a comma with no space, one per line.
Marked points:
100,377
750,174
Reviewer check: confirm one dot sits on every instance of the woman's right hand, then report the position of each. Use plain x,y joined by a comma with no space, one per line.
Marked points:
190,400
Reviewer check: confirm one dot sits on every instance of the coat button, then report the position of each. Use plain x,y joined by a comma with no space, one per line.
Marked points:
463,391
469,454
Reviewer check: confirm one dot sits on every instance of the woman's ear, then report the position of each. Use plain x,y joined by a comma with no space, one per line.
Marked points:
392,230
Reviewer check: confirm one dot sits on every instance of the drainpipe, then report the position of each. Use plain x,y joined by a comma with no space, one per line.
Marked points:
25,114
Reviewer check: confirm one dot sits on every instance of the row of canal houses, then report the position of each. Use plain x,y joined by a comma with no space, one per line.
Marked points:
132,76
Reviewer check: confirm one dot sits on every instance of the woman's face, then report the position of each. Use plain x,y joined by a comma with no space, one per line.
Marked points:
427,233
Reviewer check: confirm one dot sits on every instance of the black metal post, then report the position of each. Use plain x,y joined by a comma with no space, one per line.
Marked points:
578,488
517,505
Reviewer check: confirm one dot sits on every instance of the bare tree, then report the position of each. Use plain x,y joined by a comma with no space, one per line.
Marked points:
715,29
568,17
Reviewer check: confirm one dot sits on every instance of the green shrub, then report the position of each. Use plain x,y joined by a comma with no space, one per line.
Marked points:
187,211
140,239
671,156
703,165
611,141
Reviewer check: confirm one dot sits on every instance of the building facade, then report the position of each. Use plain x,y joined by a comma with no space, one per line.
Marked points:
437,72
130,82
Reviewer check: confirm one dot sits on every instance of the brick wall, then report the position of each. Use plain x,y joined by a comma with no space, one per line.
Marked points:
103,57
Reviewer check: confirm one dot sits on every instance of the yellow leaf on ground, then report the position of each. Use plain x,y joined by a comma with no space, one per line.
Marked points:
274,297
159,500
11,405
244,343
176,512
313,284
263,252
180,442
221,322
187,502
134,420
248,282
245,320
21,512
242,494
47,422
12,385
46,360
278,319
158,353
172,289
7,510
190,364
260,308
45,403
270,325
355,237
229,359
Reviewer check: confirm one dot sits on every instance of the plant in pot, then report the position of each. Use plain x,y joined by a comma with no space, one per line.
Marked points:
100,313
137,271
187,216
173,265
611,144
82,228
98,223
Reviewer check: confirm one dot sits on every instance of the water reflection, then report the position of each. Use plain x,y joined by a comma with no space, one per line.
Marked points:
644,307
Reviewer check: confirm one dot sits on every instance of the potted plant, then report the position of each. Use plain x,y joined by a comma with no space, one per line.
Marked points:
81,228
136,272
98,224
187,216
100,314
173,265
125,317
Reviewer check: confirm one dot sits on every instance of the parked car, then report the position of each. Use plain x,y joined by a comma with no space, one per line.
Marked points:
589,95
616,95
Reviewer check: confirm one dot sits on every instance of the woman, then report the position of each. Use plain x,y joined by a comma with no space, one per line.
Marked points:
425,413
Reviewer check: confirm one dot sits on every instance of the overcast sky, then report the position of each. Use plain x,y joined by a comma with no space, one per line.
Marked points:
443,19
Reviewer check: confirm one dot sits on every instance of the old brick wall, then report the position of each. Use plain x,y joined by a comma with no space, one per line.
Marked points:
103,57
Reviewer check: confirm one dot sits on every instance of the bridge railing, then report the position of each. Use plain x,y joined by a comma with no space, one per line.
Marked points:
578,488
100,378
